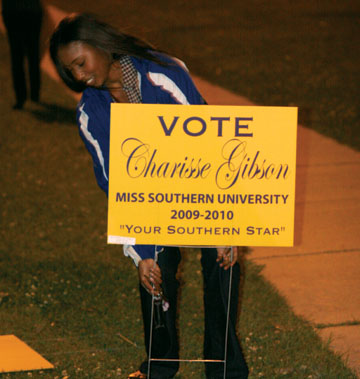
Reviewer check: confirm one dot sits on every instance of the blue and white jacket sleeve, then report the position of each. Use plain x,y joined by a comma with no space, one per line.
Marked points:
93,117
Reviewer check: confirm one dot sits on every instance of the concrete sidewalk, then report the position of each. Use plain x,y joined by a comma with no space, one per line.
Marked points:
320,275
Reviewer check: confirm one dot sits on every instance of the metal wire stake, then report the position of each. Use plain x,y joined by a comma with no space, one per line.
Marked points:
152,317
228,312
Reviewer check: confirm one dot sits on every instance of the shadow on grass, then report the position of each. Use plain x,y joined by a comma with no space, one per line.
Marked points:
51,113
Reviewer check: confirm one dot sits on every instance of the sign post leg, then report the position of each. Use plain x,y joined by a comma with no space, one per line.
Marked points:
228,313
152,320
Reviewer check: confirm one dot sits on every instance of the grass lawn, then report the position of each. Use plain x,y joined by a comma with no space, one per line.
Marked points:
74,299
280,52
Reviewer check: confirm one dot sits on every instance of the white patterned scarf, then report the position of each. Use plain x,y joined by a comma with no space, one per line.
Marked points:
130,80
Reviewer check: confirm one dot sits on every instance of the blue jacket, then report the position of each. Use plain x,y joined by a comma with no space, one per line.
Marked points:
169,84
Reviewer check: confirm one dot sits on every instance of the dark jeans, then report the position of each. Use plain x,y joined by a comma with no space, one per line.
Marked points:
23,30
216,285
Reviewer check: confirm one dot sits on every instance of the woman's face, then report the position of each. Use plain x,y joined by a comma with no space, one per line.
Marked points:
86,63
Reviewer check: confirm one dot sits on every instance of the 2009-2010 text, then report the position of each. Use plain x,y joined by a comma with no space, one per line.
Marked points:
196,214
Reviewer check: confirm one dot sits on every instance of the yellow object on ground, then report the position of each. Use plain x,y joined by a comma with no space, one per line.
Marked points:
16,355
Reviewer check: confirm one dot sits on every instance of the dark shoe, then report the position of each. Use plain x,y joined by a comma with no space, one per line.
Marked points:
35,99
138,374
18,106
34,96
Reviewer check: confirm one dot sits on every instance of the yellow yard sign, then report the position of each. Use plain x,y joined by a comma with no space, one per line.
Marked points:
16,355
201,175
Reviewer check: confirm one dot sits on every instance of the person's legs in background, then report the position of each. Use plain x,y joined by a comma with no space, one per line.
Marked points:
17,55
33,54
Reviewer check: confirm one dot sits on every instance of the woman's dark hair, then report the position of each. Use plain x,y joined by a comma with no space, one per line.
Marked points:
85,28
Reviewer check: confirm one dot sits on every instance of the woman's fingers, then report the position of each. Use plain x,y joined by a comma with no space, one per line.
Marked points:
155,277
227,256
147,285
150,276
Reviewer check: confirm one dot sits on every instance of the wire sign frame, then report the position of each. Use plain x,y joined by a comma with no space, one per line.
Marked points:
224,361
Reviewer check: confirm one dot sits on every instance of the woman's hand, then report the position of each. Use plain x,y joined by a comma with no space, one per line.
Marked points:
150,276
224,256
